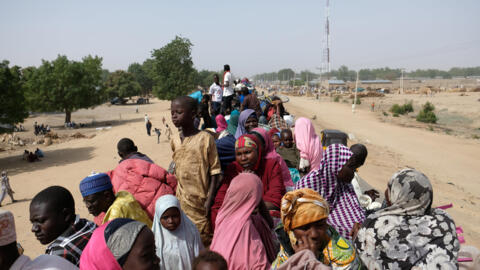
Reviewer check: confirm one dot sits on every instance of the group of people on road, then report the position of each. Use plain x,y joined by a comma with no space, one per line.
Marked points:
255,191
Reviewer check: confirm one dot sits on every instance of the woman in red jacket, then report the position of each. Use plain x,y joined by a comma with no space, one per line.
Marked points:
250,158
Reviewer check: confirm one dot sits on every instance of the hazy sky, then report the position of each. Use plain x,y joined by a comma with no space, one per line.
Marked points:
252,36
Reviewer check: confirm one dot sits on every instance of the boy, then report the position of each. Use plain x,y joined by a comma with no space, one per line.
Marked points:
52,213
197,166
158,132
209,260
288,150
168,131
104,205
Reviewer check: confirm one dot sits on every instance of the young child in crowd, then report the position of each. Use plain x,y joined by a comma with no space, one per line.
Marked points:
52,213
197,166
177,239
289,152
276,140
209,260
104,205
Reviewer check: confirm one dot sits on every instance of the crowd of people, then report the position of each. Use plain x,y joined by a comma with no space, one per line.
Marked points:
248,189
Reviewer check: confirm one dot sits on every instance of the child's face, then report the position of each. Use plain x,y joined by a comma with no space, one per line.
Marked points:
208,266
181,114
170,219
276,140
287,139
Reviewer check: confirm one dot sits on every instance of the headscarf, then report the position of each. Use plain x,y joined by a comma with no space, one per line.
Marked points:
308,143
301,207
271,153
233,122
249,140
221,123
235,237
409,233
244,115
110,245
176,249
8,234
345,210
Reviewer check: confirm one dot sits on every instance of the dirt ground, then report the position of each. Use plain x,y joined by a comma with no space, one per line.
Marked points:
451,162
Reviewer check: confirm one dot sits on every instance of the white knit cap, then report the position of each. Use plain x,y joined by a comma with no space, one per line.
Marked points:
7,228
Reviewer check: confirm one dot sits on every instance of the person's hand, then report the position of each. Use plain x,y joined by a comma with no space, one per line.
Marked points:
208,206
355,229
304,243
373,194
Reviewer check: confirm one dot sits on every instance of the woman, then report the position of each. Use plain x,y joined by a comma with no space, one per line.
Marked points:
309,145
246,122
304,217
271,153
236,237
333,182
177,239
249,157
221,123
408,233
275,114
120,244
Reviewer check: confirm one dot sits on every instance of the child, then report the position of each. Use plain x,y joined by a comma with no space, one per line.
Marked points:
52,214
197,166
104,205
290,153
177,239
168,132
209,260
158,132
276,140
5,188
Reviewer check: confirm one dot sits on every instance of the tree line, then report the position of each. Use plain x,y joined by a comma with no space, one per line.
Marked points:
386,73
66,85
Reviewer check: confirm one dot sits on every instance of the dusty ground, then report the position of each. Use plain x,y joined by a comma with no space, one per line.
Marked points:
450,162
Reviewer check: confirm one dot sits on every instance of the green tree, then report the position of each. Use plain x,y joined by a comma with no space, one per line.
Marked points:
285,74
12,101
142,77
64,85
306,75
173,72
122,84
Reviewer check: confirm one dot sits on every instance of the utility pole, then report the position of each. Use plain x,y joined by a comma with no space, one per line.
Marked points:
355,99
401,83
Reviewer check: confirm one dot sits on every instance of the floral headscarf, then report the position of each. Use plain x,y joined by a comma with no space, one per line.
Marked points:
409,233
249,140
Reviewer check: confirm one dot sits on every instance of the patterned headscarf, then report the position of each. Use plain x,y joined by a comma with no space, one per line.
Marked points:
345,210
409,233
301,207
249,140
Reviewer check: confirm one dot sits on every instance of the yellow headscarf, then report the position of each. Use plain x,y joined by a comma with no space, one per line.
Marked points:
301,207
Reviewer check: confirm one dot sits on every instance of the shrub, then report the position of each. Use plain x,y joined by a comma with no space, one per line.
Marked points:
397,109
358,101
408,107
426,115
385,114
336,99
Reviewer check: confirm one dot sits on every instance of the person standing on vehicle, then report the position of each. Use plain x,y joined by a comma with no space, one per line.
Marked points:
216,92
228,93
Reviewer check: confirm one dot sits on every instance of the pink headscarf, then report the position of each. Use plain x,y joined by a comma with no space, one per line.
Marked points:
236,237
308,143
221,123
271,153
97,255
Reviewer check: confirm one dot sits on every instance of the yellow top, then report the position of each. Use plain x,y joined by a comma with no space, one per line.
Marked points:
125,206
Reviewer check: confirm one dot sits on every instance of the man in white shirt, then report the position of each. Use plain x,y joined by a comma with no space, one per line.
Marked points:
216,92
228,92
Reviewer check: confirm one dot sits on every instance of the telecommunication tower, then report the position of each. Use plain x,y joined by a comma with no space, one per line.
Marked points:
326,41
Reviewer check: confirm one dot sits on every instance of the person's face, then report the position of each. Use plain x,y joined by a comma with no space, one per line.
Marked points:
170,219
181,115
215,79
142,255
276,141
47,224
251,123
208,266
287,139
316,231
247,157
347,172
96,203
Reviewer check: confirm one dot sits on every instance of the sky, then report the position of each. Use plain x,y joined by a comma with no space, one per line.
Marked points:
253,36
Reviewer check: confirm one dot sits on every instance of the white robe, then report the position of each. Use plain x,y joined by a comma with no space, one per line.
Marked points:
42,262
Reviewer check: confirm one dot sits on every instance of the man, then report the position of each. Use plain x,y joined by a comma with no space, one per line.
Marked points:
228,92
250,102
158,132
5,188
10,257
52,214
104,205
216,92
128,150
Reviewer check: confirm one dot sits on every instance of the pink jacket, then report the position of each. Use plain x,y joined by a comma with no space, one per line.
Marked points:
145,181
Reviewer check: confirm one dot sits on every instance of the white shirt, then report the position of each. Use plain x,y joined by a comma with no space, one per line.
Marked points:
228,91
146,119
216,91
42,262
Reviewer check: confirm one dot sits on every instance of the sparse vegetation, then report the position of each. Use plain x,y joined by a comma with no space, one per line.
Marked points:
385,114
336,99
358,101
427,115
402,109
475,136
395,115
